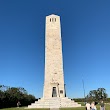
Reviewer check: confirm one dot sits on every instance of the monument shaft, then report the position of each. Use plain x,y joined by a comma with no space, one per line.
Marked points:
54,77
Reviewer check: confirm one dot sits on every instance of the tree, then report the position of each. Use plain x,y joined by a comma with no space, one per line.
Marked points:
102,93
9,96
97,95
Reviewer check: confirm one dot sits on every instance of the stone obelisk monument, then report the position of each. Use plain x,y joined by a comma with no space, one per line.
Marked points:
54,79
54,89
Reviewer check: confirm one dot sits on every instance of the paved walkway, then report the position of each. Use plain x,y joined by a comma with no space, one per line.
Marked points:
54,108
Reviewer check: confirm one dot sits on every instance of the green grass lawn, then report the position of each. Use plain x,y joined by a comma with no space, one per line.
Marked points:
107,107
23,108
78,108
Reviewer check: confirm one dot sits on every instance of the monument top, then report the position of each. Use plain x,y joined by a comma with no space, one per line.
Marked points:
52,15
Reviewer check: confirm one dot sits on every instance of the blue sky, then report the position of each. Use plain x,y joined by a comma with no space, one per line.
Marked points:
85,36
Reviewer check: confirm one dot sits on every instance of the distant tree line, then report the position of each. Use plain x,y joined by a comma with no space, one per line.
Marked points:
9,96
95,95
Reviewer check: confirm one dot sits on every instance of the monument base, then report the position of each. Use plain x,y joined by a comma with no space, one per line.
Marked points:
54,102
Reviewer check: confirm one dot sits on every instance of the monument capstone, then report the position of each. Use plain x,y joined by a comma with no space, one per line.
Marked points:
54,94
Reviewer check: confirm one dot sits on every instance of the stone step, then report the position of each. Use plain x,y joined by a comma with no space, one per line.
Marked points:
54,103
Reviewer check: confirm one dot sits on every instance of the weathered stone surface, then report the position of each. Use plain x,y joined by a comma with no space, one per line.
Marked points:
53,58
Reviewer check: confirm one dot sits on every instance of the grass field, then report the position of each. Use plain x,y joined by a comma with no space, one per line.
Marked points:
78,108
107,107
22,108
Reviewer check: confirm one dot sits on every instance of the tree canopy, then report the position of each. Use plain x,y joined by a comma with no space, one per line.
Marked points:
9,96
96,95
